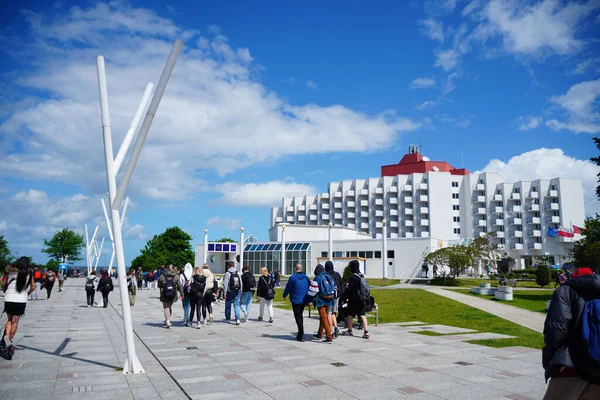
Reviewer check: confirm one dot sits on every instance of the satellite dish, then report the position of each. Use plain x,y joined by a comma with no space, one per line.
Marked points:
436,169
426,158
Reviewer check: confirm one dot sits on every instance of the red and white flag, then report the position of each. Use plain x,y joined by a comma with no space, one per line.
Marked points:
576,230
565,232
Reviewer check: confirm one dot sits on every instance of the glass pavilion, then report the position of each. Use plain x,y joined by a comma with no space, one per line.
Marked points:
258,255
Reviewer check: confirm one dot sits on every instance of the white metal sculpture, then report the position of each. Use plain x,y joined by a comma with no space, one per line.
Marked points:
283,250
92,251
116,194
110,234
242,245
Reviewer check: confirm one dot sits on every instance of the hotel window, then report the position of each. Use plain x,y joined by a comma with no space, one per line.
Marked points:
369,254
456,219
337,254
455,207
455,195
390,253
362,254
324,254
454,184
354,254
457,231
377,254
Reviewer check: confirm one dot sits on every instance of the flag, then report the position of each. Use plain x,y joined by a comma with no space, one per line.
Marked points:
576,230
564,232
552,232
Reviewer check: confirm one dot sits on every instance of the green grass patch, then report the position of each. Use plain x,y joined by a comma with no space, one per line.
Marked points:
383,282
470,282
533,300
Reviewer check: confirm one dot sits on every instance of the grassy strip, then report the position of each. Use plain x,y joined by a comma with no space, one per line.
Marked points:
533,300
383,282
470,282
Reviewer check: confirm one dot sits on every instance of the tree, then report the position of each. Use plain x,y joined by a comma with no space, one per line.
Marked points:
597,161
457,258
170,247
225,240
585,251
542,275
5,255
65,243
486,250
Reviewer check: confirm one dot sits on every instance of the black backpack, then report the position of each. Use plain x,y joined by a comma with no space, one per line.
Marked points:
89,283
169,290
249,282
234,282
198,284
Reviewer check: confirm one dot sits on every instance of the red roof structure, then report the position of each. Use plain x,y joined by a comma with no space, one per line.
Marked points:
415,162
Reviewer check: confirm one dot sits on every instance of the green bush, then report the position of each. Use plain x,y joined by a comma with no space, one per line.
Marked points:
526,271
531,276
542,276
443,281
347,274
511,275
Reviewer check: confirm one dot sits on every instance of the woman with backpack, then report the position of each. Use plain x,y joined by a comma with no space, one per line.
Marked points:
210,290
265,290
132,286
169,288
185,280
196,296
356,306
49,279
105,286
18,284
90,288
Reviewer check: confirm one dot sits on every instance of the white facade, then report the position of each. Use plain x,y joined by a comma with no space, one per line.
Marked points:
443,206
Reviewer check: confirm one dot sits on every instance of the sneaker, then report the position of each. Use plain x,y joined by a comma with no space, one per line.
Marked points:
328,341
347,333
190,323
168,324
270,320
318,336
260,318
243,316
336,332
11,351
366,335
88,306
211,318
199,325
300,338
237,321
246,317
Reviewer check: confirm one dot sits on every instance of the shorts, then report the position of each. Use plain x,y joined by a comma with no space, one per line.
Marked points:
356,308
12,308
336,305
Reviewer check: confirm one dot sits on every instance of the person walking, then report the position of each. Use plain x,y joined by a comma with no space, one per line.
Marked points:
140,278
155,279
234,287
277,277
221,289
61,278
356,306
323,301
337,280
169,289
185,280
567,359
210,290
132,286
297,288
249,284
265,290
105,286
49,279
37,284
196,296
17,286
90,288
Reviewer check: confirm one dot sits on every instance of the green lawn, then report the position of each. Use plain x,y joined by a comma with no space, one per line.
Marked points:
470,282
383,282
406,305
534,300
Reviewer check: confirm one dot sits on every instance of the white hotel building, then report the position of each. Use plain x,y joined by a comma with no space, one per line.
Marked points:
426,204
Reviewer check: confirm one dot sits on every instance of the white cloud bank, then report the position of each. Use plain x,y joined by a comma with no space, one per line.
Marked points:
580,104
422,83
228,223
528,123
261,194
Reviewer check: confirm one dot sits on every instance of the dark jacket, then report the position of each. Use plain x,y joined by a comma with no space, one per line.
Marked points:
297,287
248,282
353,283
337,278
264,282
105,285
319,301
162,281
563,345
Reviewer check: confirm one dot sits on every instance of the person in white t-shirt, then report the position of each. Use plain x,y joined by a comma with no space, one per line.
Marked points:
17,285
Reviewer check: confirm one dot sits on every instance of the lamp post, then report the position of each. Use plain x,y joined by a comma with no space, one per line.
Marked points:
282,249
384,248
330,244
241,248
205,246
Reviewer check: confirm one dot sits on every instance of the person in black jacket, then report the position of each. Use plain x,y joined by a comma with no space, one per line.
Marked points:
337,280
572,372
105,286
356,307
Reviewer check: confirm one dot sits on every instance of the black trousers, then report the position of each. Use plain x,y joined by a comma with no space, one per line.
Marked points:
195,306
90,297
298,310
49,287
105,298
207,304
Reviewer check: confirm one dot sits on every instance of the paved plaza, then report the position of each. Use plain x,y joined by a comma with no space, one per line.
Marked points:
66,350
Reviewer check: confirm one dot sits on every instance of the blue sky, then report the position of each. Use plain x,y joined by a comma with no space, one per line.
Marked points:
279,98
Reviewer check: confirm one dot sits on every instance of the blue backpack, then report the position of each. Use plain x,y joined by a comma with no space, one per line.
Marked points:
590,328
326,287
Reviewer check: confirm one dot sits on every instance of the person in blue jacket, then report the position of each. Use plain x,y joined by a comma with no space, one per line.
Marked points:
324,303
297,289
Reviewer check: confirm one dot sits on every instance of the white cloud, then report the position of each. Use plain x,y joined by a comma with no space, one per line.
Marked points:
312,85
432,29
580,104
450,84
261,194
213,102
135,231
446,59
439,7
421,83
228,223
547,164
425,105
583,66
528,122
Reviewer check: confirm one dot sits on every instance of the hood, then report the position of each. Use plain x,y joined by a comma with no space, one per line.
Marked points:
329,266
170,272
188,270
232,269
354,266
586,286
319,269
582,271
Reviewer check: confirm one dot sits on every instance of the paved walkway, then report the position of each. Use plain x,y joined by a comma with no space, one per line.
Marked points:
529,319
66,351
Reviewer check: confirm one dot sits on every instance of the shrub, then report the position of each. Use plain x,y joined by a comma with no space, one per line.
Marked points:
444,281
542,276
511,275
347,274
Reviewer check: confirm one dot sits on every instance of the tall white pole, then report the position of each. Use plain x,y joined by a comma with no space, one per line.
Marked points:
330,244
132,364
384,248
241,248
205,246
87,250
282,249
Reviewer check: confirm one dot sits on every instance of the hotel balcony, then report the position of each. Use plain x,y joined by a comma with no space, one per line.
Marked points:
534,220
422,186
337,194
407,223
478,199
378,213
337,216
480,187
393,200
516,234
407,211
423,222
407,188
517,246
481,222
407,235
407,199
350,215
378,224
290,218
533,195
324,206
516,221
554,219
364,225
364,214
378,190
364,192
313,207
312,217
393,189
482,234
534,233
552,193
535,246
301,207
393,235
500,235
533,207
516,209
301,218
337,204
423,198
325,195
350,193
364,203
515,196
325,216
481,211
498,197
393,224
378,202
498,210
350,204
498,222
423,210
351,226
278,219
393,211
424,234
551,206
289,209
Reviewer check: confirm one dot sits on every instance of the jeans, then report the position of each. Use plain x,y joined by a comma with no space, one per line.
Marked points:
269,304
36,292
131,292
186,308
298,310
196,301
140,282
49,287
324,323
90,297
246,301
233,297
207,304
